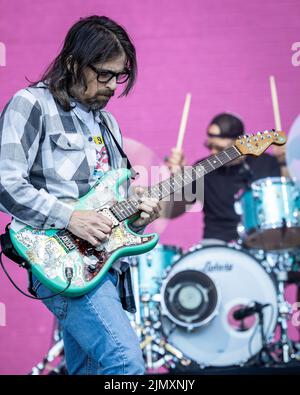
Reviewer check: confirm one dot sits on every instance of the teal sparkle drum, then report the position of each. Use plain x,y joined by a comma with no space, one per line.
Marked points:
153,267
270,214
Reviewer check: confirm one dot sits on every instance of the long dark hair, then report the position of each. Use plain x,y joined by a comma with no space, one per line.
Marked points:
90,40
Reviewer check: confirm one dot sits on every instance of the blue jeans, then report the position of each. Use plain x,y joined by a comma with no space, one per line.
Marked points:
98,337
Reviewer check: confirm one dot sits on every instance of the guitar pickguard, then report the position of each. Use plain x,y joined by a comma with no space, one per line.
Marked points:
63,250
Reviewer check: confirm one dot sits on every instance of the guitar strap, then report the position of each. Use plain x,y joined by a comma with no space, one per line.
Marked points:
120,149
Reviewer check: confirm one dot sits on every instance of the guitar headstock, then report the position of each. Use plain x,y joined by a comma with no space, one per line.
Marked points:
256,144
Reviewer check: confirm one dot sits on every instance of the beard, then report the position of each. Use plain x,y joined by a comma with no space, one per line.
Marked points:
96,102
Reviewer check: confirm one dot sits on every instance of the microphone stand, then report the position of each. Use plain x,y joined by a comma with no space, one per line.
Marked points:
264,357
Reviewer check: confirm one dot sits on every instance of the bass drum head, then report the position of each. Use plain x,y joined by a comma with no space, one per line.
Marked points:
236,280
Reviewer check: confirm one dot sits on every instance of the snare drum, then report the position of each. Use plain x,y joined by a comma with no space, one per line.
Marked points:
270,214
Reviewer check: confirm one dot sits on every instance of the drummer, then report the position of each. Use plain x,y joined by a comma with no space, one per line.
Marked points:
222,185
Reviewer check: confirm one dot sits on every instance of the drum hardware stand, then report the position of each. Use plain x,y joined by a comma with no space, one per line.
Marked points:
178,354
280,265
158,353
284,314
154,350
136,293
56,350
147,329
284,308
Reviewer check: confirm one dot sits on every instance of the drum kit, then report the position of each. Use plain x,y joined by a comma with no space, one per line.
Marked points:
221,304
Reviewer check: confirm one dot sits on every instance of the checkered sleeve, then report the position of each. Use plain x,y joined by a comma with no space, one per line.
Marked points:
20,131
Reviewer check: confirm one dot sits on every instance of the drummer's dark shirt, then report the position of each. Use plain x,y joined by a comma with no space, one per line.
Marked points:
220,188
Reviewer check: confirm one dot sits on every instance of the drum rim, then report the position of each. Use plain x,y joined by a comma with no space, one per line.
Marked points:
275,225
256,184
172,247
231,245
246,233
266,180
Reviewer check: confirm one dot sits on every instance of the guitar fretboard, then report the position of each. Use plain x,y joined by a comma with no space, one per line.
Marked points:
127,208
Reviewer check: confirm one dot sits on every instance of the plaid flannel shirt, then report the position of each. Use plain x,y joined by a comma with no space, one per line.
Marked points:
46,156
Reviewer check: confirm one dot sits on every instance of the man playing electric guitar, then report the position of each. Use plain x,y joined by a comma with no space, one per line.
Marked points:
61,166
56,142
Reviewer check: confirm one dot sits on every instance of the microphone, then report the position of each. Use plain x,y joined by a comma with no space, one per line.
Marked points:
250,310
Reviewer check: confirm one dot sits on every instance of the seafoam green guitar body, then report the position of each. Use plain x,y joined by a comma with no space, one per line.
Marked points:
49,252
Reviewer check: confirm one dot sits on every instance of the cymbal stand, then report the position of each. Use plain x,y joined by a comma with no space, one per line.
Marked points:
284,308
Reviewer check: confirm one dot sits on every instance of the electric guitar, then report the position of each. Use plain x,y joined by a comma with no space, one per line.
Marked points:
65,263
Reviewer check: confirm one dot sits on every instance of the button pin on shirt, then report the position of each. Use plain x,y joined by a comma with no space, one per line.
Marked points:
98,140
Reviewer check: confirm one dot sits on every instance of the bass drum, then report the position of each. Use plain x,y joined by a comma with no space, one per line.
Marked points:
199,297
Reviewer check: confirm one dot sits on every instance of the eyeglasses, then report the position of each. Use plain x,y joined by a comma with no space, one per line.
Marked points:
104,76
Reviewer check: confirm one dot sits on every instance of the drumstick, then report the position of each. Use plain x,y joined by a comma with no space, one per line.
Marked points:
279,152
183,122
275,103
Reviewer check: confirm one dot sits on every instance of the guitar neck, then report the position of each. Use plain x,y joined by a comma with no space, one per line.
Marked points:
127,208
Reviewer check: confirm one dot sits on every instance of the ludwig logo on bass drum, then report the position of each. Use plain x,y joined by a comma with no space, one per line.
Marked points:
212,266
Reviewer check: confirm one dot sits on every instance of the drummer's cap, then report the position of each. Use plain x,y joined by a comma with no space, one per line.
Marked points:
230,126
